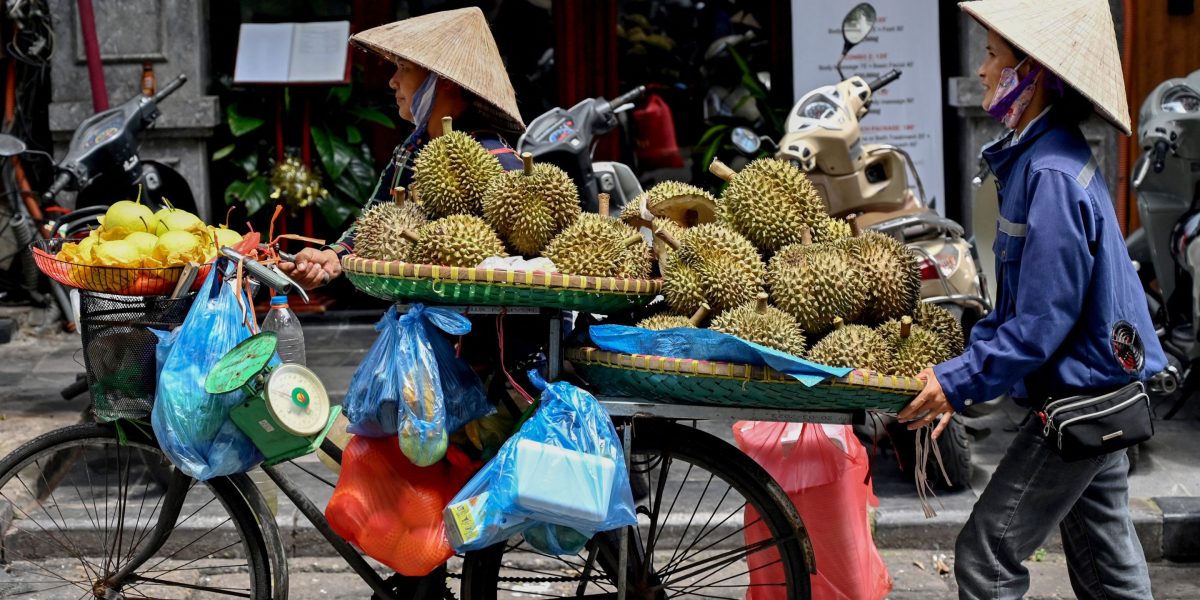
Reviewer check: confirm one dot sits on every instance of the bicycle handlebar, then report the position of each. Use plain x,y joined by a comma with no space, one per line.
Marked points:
60,183
271,277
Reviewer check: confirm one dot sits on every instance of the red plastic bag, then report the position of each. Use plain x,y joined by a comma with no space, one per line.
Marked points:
823,469
656,145
392,509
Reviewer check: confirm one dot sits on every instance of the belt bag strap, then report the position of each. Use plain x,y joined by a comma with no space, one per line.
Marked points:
1088,426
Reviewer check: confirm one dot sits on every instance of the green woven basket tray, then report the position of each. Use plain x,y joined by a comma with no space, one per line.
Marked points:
685,381
400,281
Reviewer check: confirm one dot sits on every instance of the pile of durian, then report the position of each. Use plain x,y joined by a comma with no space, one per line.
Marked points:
770,266
463,209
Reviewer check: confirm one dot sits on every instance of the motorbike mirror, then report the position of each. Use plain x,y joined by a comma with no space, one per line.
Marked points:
858,24
745,140
10,145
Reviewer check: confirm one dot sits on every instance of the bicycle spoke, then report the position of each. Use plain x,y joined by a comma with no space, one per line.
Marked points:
189,586
703,493
704,533
72,552
134,540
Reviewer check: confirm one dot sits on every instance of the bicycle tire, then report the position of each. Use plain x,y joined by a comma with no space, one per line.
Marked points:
61,456
481,576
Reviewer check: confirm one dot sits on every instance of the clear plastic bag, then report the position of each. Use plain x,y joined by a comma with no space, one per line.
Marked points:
192,425
564,467
413,384
823,469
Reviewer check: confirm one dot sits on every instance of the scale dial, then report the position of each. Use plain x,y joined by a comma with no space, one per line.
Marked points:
297,400
242,363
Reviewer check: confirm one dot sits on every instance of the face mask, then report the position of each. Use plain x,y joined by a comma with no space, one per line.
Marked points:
1013,95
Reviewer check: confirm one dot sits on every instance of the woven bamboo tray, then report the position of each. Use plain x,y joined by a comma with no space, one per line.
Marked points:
686,381
400,281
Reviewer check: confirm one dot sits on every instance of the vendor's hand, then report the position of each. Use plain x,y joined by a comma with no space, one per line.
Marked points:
313,268
930,404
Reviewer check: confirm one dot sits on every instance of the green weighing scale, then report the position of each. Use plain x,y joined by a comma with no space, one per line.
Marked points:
286,412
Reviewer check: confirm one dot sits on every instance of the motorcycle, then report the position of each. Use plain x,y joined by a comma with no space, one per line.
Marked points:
823,137
1165,249
567,137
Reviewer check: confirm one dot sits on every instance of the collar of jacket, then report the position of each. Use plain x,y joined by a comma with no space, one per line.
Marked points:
1002,157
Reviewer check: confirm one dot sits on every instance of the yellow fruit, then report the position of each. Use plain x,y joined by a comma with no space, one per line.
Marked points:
144,242
128,215
225,236
178,247
117,253
174,219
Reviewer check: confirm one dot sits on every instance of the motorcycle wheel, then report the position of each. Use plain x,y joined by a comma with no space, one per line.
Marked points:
954,445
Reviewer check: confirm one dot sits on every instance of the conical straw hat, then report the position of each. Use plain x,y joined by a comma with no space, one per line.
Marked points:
457,45
1074,39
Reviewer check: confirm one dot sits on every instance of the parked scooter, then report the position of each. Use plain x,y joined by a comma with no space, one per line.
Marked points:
1167,181
567,138
823,137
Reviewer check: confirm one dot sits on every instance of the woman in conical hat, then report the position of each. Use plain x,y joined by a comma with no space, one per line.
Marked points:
1069,318
447,65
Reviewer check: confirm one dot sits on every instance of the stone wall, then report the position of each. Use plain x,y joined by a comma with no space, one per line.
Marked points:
171,34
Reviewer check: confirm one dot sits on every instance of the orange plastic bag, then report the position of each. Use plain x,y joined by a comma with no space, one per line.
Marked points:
823,469
392,509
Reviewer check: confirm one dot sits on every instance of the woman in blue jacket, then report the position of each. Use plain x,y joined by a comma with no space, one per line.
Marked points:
1070,317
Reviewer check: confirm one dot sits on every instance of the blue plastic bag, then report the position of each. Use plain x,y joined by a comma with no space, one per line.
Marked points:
707,344
193,426
413,384
565,467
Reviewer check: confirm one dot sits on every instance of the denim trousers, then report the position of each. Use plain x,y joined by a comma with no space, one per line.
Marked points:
1032,491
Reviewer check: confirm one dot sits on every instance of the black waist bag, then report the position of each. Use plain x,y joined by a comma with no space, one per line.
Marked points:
1082,427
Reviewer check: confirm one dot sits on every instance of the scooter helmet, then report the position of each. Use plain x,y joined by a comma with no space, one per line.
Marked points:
1186,231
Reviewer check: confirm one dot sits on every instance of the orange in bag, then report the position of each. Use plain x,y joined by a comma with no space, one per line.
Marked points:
392,509
823,469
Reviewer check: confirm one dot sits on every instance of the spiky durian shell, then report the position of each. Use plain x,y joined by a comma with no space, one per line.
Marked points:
456,241
378,230
816,283
943,323
681,286
528,210
684,204
830,230
893,272
661,322
770,327
922,348
595,245
769,201
856,346
452,173
728,266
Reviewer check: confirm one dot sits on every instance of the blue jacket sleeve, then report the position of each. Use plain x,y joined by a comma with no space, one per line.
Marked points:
1055,268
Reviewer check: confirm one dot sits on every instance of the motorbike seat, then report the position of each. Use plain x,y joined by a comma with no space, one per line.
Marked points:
871,219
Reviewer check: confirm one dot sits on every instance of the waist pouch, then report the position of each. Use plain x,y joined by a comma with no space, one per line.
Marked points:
1082,427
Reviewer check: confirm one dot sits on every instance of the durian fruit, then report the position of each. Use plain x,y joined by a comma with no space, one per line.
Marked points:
659,248
379,231
816,283
893,271
768,201
684,204
452,173
762,324
728,268
454,241
529,207
669,321
855,346
943,323
599,246
830,230
681,285
913,347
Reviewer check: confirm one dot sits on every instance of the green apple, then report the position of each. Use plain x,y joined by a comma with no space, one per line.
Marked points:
174,219
128,215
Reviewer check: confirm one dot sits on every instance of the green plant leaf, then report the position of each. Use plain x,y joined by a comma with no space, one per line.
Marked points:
340,94
335,153
253,194
335,210
240,123
223,152
715,130
711,151
353,135
373,115
249,163
357,181
234,191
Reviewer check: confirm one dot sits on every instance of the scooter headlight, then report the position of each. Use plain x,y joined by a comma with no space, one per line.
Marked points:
1181,99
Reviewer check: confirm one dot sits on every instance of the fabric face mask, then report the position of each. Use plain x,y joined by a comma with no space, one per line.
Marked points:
1013,95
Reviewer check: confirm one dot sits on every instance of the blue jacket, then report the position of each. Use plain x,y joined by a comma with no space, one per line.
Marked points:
1070,315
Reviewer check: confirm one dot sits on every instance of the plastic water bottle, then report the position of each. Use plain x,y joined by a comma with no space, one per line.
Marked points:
284,323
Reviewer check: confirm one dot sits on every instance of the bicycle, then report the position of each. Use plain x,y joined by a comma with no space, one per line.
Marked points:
220,538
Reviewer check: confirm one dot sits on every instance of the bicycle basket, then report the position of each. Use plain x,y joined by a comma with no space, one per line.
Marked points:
113,280
119,349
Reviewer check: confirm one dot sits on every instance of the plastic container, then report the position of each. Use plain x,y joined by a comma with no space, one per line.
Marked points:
284,323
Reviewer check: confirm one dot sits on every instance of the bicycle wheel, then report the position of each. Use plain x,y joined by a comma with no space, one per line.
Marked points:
77,504
690,539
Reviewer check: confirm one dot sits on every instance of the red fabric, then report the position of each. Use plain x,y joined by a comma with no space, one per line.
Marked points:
656,145
829,488
391,509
